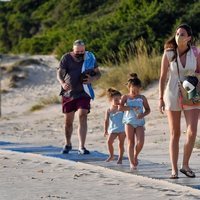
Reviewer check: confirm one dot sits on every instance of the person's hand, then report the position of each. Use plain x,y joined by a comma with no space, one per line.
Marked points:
140,116
88,79
105,134
187,39
161,106
66,86
119,107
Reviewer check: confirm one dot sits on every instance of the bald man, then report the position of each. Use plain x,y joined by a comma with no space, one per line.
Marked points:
74,96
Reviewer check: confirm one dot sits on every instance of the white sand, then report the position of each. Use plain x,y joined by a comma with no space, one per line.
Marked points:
29,176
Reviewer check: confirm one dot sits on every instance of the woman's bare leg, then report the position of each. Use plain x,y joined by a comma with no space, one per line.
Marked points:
191,117
174,118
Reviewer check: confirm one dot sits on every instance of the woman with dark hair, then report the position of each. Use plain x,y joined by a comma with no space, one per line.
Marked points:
178,59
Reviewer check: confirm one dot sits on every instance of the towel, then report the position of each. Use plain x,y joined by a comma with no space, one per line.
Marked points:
88,63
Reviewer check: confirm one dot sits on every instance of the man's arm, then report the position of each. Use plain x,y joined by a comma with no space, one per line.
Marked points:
90,79
98,73
60,77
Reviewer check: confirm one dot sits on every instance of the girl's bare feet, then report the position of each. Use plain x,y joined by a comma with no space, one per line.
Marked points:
135,161
119,161
132,167
110,158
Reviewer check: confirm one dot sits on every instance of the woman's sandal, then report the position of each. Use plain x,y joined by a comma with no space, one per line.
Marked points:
188,173
174,176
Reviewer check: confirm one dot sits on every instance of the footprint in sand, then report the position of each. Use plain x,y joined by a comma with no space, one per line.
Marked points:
79,175
53,196
24,159
40,171
48,163
6,158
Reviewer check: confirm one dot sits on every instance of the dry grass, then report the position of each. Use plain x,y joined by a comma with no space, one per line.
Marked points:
43,102
3,91
14,78
37,107
16,67
146,66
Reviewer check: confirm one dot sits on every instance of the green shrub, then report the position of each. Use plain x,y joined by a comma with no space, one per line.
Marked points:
107,26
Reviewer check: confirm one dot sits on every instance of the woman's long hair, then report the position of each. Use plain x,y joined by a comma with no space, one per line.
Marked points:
171,44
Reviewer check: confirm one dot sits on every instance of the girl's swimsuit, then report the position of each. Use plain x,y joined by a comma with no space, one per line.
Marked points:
115,122
130,117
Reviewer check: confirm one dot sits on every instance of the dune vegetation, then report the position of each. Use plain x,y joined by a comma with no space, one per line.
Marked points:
125,35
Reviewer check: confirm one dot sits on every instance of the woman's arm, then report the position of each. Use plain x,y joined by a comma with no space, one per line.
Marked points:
163,75
162,80
198,62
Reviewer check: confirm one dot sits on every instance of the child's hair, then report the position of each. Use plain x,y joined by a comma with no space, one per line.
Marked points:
134,80
112,92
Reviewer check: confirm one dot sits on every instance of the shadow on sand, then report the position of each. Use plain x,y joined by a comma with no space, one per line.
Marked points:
145,167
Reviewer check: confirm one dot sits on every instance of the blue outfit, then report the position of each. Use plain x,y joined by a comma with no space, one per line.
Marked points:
115,122
88,63
130,117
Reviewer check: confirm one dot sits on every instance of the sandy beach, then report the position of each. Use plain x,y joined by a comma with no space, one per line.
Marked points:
32,176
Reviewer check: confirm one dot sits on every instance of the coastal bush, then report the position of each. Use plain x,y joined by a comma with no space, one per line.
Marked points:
146,65
107,26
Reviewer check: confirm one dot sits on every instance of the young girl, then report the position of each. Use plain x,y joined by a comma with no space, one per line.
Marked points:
113,126
133,104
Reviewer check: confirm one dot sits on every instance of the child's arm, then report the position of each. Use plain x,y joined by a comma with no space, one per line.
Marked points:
146,107
122,106
106,123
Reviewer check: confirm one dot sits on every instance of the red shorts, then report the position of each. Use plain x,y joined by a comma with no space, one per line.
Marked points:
72,105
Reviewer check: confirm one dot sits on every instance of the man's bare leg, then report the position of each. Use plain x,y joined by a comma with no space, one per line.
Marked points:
82,127
69,118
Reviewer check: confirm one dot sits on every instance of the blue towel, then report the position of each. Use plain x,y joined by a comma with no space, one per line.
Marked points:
88,63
